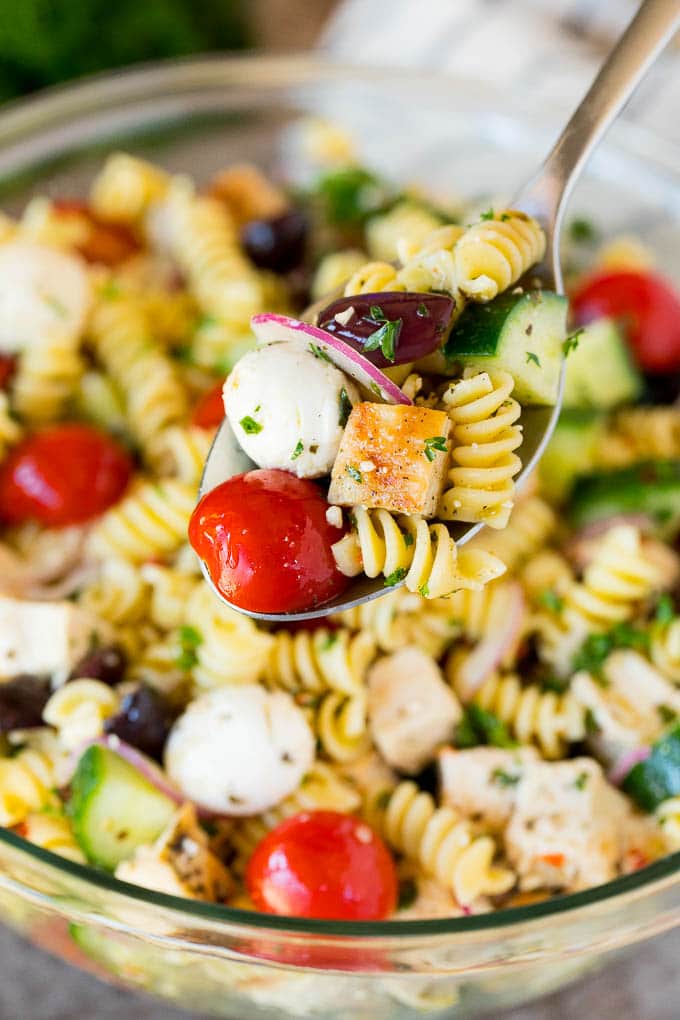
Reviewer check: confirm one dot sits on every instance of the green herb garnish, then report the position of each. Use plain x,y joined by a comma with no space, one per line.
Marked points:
665,610
328,642
581,229
533,357
408,893
318,353
572,341
504,778
597,648
424,590
666,713
481,727
190,639
345,408
250,426
551,600
395,577
487,215
581,780
385,338
354,473
408,539
434,444
299,449
422,311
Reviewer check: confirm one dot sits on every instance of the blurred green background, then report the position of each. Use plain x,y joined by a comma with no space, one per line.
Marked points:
43,42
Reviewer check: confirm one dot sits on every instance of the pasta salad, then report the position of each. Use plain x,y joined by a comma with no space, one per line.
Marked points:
502,728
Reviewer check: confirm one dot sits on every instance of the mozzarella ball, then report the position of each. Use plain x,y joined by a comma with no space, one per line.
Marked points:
287,408
43,293
240,749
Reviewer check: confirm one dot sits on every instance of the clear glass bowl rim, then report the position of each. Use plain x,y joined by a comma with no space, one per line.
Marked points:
20,120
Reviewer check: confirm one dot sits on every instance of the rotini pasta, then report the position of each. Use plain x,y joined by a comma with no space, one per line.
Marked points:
230,649
406,224
493,254
150,522
10,430
51,830
531,523
668,816
126,187
665,649
78,710
401,618
182,452
26,785
171,591
423,556
119,594
334,270
484,438
47,378
373,276
442,843
319,660
341,726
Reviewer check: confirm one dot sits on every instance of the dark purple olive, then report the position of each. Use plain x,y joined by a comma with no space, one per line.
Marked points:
392,327
106,664
22,700
278,244
143,720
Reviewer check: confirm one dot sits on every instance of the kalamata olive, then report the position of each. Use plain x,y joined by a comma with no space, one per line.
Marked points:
106,664
277,244
392,327
22,700
143,720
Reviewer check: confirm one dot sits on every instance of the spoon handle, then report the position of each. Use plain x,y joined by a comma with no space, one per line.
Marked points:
547,192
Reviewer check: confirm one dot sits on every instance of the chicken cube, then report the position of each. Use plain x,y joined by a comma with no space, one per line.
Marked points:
392,456
180,862
411,710
481,783
566,830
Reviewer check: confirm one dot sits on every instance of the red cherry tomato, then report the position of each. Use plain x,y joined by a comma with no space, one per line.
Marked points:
323,864
209,411
266,542
648,308
108,243
7,366
63,475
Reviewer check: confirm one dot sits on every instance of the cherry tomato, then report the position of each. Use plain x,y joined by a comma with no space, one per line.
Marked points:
108,243
7,365
323,864
266,542
648,308
63,475
209,411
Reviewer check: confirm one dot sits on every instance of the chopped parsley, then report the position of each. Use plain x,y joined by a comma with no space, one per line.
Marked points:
299,449
375,389
504,778
189,640
581,780
422,311
581,229
408,539
385,338
666,713
488,214
328,642
424,590
554,684
478,726
504,217
111,290
551,601
408,893
434,444
597,648
590,723
665,610
318,352
533,357
395,577
572,341
250,426
351,194
382,800
345,408
354,473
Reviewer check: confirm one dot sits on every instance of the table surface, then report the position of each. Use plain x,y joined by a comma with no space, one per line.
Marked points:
34,986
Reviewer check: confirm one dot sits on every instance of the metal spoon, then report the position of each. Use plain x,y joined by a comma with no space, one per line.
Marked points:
545,197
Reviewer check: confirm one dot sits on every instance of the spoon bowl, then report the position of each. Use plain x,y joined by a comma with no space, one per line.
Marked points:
544,197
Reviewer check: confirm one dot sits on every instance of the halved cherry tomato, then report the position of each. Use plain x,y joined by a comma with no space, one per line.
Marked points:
7,365
648,308
323,864
266,542
63,475
108,243
209,411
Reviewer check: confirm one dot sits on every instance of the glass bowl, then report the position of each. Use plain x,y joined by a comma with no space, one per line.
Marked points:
197,116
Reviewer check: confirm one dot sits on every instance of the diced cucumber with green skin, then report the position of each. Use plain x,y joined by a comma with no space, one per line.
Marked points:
522,334
114,809
651,488
570,452
654,780
600,370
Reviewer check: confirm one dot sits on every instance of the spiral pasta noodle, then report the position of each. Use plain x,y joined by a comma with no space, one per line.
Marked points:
665,649
182,451
119,594
26,785
423,556
480,614
615,583
401,618
484,438
51,830
668,817
125,188
154,397
642,433
42,222
442,843
319,660
408,224
171,590
534,716
322,789
78,710
493,254
373,276
341,726
47,377
10,430
230,648
148,523
334,270
546,571
531,523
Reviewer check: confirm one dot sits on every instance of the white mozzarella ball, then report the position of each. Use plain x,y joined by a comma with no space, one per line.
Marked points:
240,749
43,293
287,408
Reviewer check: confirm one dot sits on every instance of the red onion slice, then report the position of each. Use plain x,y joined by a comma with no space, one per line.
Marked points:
628,760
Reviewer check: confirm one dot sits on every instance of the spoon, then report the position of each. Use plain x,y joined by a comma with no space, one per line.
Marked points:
545,197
